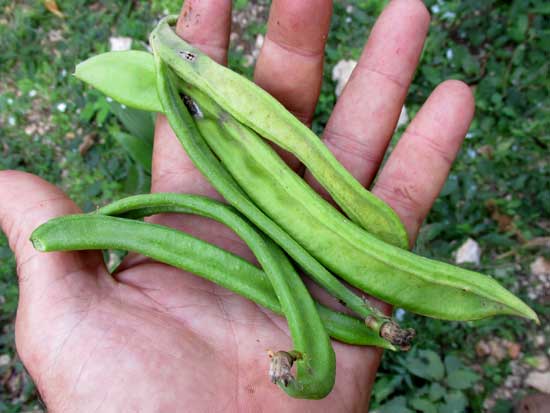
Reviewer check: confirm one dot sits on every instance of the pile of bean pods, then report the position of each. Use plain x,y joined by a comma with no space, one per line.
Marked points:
223,121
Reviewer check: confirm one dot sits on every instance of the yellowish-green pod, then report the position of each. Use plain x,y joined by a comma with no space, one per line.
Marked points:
415,283
313,353
257,109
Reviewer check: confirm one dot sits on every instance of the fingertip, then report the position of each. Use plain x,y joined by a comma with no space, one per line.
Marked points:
27,202
459,95
413,9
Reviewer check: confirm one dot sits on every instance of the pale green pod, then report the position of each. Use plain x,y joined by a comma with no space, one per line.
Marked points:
315,365
412,282
257,109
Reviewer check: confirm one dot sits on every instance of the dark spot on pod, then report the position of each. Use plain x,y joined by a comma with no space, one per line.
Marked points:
189,56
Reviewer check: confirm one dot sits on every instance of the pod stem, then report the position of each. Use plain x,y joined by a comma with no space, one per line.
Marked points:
280,366
400,337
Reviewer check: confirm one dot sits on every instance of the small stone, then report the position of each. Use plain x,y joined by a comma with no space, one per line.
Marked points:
541,267
259,41
541,362
469,252
403,117
482,349
341,74
55,36
5,360
120,44
498,351
539,340
513,350
31,129
539,381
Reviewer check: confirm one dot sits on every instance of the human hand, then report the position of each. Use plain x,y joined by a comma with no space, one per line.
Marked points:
153,338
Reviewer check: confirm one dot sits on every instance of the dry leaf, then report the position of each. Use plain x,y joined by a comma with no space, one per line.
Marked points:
51,5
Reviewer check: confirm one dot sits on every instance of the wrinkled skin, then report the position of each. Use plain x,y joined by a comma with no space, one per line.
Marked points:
156,339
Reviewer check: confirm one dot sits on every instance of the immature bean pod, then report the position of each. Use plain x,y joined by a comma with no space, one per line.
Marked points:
94,72
316,364
176,248
198,151
313,351
389,273
344,328
394,275
257,109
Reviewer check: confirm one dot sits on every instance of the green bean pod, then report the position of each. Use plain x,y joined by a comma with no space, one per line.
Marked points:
257,109
316,361
417,284
176,248
198,151
344,328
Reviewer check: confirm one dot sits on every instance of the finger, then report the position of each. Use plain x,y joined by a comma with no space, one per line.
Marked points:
290,64
27,202
366,113
205,24
418,166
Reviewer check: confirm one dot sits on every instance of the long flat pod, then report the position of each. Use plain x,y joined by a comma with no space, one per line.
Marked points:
206,162
417,284
176,248
315,370
344,328
257,109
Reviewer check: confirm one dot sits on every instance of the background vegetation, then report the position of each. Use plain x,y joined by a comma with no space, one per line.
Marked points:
498,192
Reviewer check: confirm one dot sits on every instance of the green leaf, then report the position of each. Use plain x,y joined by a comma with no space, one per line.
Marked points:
423,405
138,149
426,364
395,405
436,392
454,403
462,379
452,363
127,77
138,122
384,387
137,181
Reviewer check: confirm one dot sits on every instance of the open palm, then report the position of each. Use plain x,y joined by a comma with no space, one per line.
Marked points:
155,339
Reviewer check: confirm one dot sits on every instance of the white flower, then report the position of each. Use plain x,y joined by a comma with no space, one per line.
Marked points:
61,107
32,93
11,121
449,54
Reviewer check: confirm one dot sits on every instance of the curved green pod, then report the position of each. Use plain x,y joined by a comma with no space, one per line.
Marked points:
313,353
206,162
257,109
417,284
341,327
176,248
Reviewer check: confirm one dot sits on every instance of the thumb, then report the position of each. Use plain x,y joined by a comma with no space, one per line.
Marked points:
26,201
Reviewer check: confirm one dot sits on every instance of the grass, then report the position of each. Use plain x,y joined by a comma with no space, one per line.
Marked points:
498,192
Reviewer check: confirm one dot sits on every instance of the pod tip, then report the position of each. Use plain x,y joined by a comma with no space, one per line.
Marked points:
37,244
